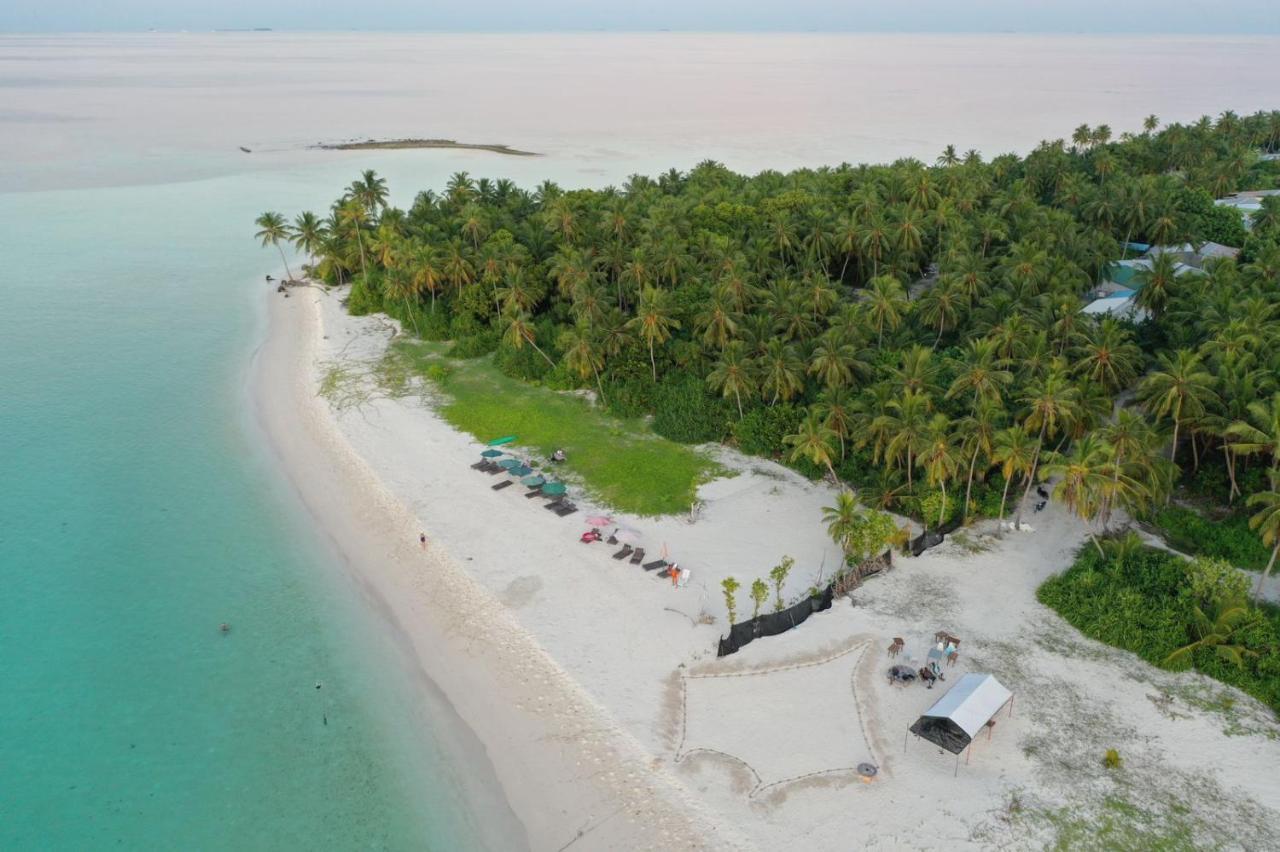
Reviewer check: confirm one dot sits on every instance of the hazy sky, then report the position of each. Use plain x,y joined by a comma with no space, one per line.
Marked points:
1094,16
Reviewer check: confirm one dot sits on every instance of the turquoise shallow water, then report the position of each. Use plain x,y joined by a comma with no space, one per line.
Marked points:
137,514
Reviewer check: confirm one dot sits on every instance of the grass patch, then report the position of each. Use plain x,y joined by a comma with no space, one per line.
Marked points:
621,463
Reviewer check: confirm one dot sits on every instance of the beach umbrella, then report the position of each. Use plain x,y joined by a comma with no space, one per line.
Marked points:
554,488
505,439
533,481
599,521
489,454
509,463
520,471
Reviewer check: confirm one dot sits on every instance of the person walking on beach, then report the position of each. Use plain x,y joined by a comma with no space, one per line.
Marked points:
674,570
422,540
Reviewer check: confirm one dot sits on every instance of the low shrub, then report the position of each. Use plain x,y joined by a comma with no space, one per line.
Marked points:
475,345
1229,538
1144,600
1111,759
762,432
363,300
685,412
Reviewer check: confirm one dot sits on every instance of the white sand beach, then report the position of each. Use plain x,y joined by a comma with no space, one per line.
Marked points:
610,724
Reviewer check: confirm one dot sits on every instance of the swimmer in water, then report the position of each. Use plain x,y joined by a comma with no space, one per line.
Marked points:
225,628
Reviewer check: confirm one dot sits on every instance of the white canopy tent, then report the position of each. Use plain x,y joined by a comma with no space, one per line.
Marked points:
966,708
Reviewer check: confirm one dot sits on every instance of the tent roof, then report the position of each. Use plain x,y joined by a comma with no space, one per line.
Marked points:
969,704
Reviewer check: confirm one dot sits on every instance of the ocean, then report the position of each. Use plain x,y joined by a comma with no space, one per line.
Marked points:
139,507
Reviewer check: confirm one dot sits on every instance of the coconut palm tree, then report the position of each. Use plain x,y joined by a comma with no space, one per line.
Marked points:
1266,521
842,519
732,373
887,304
655,321
813,442
309,234
976,433
1178,387
518,330
1052,404
1014,450
940,457
1221,630
582,354
272,232
1084,476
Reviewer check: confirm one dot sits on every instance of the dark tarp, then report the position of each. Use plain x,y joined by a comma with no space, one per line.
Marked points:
943,732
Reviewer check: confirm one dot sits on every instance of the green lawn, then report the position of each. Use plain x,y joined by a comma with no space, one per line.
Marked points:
621,463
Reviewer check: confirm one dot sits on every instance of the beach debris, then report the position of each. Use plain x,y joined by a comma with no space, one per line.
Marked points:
246,150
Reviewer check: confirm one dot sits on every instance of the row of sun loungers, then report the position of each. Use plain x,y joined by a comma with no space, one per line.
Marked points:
557,503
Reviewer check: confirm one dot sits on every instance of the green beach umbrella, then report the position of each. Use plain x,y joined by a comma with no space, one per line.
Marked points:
533,481
554,488
520,471
505,439
491,453
508,463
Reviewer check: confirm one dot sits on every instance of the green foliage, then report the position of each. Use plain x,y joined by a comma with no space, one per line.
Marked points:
778,574
1228,538
363,300
685,412
1149,601
759,591
1205,220
475,345
730,587
762,432
1215,581
870,535
1111,760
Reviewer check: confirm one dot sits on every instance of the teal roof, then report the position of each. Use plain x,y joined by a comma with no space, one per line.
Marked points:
1120,274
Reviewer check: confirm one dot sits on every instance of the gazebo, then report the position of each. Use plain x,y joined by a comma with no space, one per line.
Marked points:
961,714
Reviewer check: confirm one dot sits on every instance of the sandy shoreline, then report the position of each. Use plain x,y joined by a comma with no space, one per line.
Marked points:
594,689
563,768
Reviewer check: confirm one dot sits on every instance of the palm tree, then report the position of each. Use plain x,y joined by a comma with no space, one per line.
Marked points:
977,434
781,370
732,373
940,457
1179,387
887,303
1222,631
813,442
309,234
1052,403
981,372
582,354
1266,521
519,330
273,232
903,426
842,519
1157,284
1014,451
370,190
655,321
353,214
1083,480
1259,432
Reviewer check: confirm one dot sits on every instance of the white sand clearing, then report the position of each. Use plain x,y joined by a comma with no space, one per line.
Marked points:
572,668
785,723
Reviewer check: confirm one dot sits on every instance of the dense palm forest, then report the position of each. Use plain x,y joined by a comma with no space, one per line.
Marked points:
913,330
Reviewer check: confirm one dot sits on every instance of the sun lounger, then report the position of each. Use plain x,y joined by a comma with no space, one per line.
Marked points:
623,553
655,564
480,465
535,491
556,503
637,556
506,483
566,510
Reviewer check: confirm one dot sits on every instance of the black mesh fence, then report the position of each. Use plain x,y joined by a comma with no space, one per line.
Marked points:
932,538
773,623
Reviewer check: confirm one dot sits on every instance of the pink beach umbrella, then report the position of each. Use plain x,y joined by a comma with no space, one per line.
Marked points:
599,521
